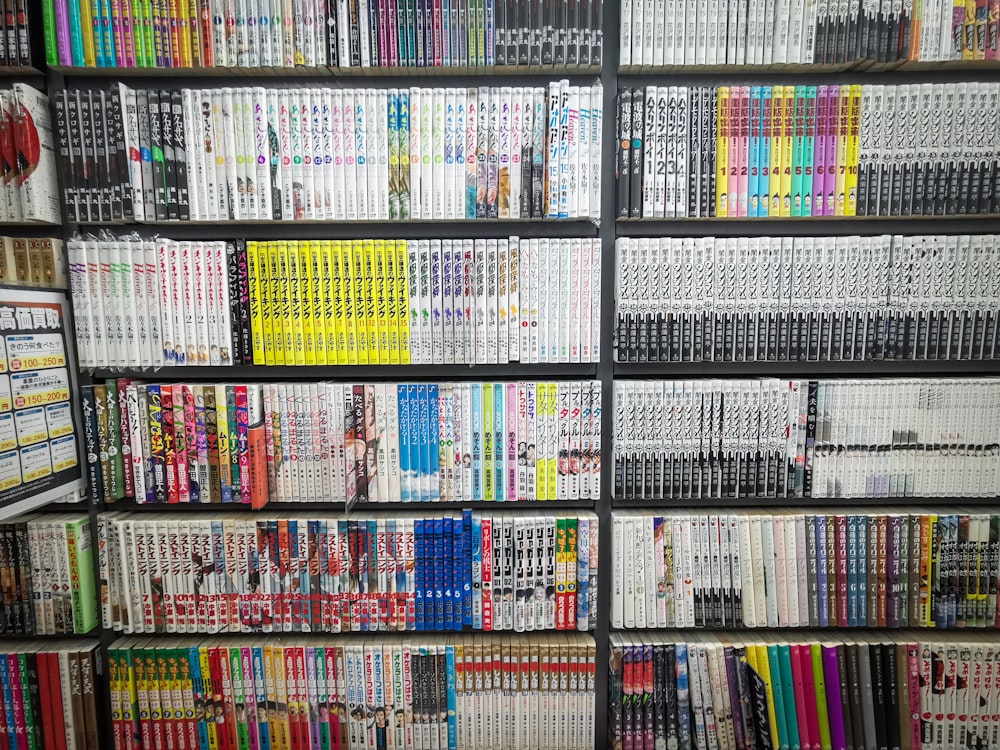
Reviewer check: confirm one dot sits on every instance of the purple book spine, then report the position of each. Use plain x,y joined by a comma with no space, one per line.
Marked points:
62,33
383,34
392,20
128,48
830,185
831,673
734,696
819,170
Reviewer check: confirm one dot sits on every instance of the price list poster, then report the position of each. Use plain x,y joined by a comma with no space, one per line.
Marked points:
39,419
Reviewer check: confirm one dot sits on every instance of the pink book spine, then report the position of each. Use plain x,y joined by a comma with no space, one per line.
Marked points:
383,34
798,682
819,172
743,125
487,587
118,31
511,439
913,690
243,443
191,443
809,695
992,30
128,34
832,120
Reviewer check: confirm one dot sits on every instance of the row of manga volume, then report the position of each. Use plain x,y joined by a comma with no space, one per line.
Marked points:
467,33
331,154
773,299
803,32
16,35
788,151
201,34
28,189
457,693
153,303
689,439
47,576
319,442
238,574
800,568
50,695
710,691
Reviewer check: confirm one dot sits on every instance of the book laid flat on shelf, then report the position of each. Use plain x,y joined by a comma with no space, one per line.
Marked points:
152,303
801,151
803,568
803,32
317,33
818,691
257,154
483,691
251,443
481,571
689,439
768,299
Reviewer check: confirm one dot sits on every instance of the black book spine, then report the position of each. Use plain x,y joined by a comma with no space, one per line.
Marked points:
245,350
761,719
624,160
697,186
597,47
24,578
523,41
180,156
95,483
892,694
170,154
501,32
878,695
111,129
87,156
811,404
573,33
77,138
332,34
615,697
586,30
853,705
635,177
124,168
844,702
549,31
69,166
560,13
102,171
156,145
537,32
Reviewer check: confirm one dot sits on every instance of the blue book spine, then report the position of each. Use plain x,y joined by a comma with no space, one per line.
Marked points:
343,532
852,571
194,665
413,397
405,465
764,153
476,573
863,570
477,442
499,447
753,170
418,573
263,727
448,563
294,601
370,604
433,445
583,573
463,549
439,573
683,696
423,437
824,609
389,595
449,661
76,32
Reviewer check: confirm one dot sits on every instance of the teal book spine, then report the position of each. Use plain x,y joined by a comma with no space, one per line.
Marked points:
75,33
753,171
764,155
808,152
777,688
788,694
452,698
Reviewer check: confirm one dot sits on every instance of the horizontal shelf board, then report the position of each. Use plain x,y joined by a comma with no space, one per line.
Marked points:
19,71
775,503
854,72
402,373
333,230
902,368
33,226
324,71
810,632
358,508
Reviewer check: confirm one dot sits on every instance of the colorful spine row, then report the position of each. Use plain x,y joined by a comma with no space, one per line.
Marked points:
240,154
795,569
458,694
816,693
773,299
283,575
805,438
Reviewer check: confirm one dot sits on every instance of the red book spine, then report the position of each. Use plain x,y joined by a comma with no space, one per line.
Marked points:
913,692
243,444
487,573
169,447
56,701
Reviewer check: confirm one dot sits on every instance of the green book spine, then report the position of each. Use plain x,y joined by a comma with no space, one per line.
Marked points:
115,441
322,699
820,683
780,703
51,42
788,693
488,477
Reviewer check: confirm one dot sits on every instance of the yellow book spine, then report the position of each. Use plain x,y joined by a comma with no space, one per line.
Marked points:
777,129
256,318
184,24
389,301
764,670
969,31
722,155
280,681
402,302
87,22
787,149
553,402
541,468
297,285
326,301
339,301
853,139
371,303
360,303
285,299
843,126
307,286
348,279
277,312
385,264
319,318
206,670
